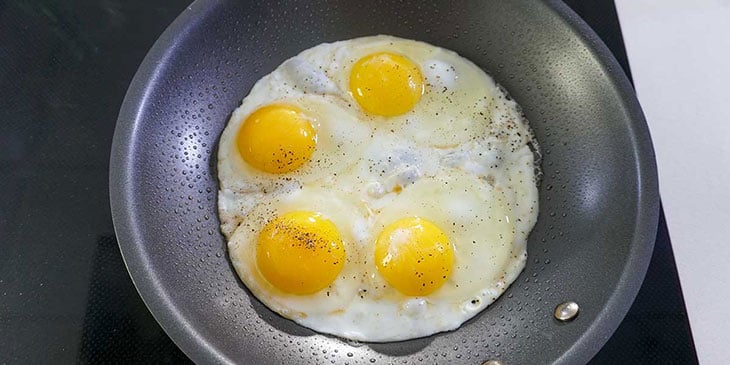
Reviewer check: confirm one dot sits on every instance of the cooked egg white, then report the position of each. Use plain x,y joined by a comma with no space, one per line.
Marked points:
336,207
487,256
378,189
456,94
340,140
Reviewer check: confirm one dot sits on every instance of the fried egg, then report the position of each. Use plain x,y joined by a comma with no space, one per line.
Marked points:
438,261
298,252
279,143
429,93
378,189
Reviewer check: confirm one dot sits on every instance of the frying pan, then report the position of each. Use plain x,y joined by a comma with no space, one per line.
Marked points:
598,197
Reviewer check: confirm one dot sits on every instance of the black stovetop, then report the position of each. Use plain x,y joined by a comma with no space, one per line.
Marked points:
65,295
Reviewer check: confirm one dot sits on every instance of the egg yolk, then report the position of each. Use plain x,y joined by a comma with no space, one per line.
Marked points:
277,139
414,256
386,84
300,252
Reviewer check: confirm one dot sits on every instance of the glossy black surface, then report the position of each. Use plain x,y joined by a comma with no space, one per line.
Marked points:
65,295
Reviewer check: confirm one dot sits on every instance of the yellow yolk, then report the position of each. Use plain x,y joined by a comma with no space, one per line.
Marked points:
276,139
386,84
414,256
300,252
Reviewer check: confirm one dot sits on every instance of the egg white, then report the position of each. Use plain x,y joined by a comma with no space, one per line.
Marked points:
463,158
458,95
341,138
324,305
359,304
488,255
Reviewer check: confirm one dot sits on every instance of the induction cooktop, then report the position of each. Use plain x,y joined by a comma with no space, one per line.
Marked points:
65,295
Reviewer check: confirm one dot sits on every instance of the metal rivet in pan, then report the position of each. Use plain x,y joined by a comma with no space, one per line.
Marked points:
492,362
567,311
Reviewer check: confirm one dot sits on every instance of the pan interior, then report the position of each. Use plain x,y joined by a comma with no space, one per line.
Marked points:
598,197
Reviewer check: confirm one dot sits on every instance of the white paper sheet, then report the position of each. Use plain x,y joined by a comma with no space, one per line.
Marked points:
679,53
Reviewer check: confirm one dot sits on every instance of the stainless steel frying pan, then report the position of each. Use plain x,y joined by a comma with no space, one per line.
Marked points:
598,199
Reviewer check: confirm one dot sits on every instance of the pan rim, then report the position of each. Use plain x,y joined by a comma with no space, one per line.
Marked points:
194,345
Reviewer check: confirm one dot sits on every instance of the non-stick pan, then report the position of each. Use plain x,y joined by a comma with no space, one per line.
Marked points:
598,198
